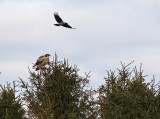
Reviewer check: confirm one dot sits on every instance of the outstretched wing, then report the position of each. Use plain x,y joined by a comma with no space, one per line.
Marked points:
68,26
57,17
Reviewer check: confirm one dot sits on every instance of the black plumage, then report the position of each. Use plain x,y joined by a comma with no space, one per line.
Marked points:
60,21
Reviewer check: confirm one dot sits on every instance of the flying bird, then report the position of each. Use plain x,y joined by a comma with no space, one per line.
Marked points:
60,21
42,61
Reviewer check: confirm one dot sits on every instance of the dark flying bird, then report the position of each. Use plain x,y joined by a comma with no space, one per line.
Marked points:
42,61
60,21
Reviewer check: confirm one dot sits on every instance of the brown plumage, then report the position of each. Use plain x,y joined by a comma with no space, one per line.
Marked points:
42,61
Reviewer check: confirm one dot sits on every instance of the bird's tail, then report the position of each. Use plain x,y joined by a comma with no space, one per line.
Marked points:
34,65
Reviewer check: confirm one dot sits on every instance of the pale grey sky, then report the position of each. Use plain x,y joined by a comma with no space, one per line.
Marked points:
106,33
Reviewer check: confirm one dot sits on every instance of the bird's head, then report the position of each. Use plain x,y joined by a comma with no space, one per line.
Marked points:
47,55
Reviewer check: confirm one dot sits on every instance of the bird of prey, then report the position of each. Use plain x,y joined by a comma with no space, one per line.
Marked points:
60,21
42,61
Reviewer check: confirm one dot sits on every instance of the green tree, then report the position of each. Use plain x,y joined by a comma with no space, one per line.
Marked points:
10,105
57,92
127,96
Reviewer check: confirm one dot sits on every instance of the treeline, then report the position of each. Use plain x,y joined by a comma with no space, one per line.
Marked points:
59,92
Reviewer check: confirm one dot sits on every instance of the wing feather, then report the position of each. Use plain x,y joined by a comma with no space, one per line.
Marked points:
57,17
40,60
68,26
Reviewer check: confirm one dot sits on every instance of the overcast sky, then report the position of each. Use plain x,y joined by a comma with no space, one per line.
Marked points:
107,32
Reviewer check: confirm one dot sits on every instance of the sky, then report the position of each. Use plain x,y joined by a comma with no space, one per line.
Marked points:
107,32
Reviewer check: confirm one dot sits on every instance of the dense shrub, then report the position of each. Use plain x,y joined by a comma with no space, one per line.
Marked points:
57,92
127,96
10,104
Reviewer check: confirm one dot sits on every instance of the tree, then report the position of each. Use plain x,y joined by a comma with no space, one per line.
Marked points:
10,105
57,92
127,96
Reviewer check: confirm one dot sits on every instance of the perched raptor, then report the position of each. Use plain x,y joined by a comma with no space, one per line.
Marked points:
60,21
42,61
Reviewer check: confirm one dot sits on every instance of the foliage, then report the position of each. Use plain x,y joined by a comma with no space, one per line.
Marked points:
57,92
127,96
10,105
